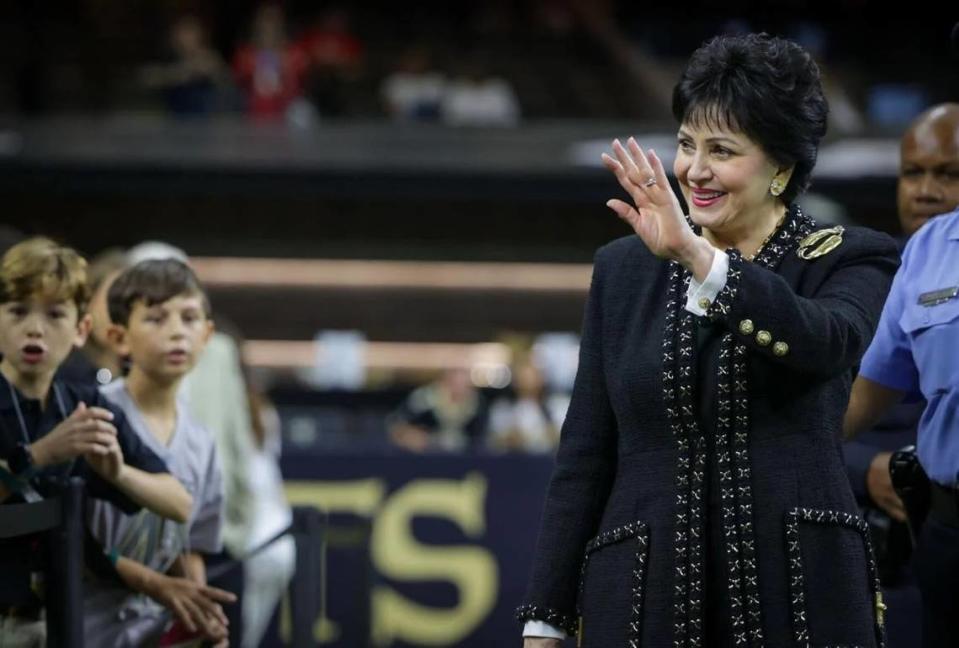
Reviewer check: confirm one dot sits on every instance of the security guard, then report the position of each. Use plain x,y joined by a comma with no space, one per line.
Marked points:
916,350
928,186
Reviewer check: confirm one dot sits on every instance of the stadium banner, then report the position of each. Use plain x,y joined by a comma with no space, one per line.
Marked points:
422,550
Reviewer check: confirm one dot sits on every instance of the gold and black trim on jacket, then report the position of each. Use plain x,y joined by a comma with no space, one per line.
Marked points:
727,481
678,392
788,238
640,532
797,589
731,457
564,622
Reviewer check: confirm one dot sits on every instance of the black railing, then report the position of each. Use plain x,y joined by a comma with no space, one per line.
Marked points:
61,518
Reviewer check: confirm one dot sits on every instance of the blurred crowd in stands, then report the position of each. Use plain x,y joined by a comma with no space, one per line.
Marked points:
489,64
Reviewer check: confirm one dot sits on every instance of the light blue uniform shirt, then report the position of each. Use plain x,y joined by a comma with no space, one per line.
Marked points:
916,348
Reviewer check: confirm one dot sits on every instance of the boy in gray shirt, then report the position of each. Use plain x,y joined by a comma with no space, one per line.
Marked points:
161,323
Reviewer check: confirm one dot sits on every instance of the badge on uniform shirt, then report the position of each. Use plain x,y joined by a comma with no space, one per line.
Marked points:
936,297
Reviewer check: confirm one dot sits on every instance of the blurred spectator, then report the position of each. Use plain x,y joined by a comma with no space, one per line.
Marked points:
524,422
267,573
216,395
96,363
414,92
478,98
190,78
269,69
334,56
449,414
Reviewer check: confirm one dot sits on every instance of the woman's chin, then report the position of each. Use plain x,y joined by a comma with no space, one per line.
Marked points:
704,218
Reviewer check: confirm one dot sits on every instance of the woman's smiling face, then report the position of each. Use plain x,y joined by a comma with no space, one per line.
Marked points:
724,176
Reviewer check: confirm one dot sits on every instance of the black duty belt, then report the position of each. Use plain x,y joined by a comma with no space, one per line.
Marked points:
944,504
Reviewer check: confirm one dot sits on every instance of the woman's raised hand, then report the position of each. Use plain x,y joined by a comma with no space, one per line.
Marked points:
655,214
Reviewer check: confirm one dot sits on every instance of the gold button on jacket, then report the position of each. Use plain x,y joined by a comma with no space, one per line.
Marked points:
763,338
704,303
746,327
780,349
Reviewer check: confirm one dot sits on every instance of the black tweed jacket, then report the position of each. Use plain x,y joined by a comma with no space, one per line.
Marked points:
699,496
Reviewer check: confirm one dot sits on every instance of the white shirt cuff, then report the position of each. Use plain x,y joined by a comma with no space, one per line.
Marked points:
700,296
542,629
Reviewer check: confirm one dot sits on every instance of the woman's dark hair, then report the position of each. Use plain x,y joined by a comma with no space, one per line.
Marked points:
765,87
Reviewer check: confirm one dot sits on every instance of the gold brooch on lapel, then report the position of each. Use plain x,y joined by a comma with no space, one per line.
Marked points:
820,243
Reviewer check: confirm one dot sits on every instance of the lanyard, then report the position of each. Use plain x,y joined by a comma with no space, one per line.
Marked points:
27,491
22,421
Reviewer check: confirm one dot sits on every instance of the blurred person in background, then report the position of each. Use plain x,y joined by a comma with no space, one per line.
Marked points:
267,573
414,90
524,422
447,414
269,68
334,63
191,76
477,97
928,187
96,362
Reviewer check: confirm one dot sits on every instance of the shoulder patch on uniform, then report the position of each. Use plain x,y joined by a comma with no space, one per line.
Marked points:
820,243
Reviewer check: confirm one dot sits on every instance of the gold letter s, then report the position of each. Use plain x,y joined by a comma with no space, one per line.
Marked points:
398,555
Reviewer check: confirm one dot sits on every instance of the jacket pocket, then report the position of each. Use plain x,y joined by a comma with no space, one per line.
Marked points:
833,580
612,586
